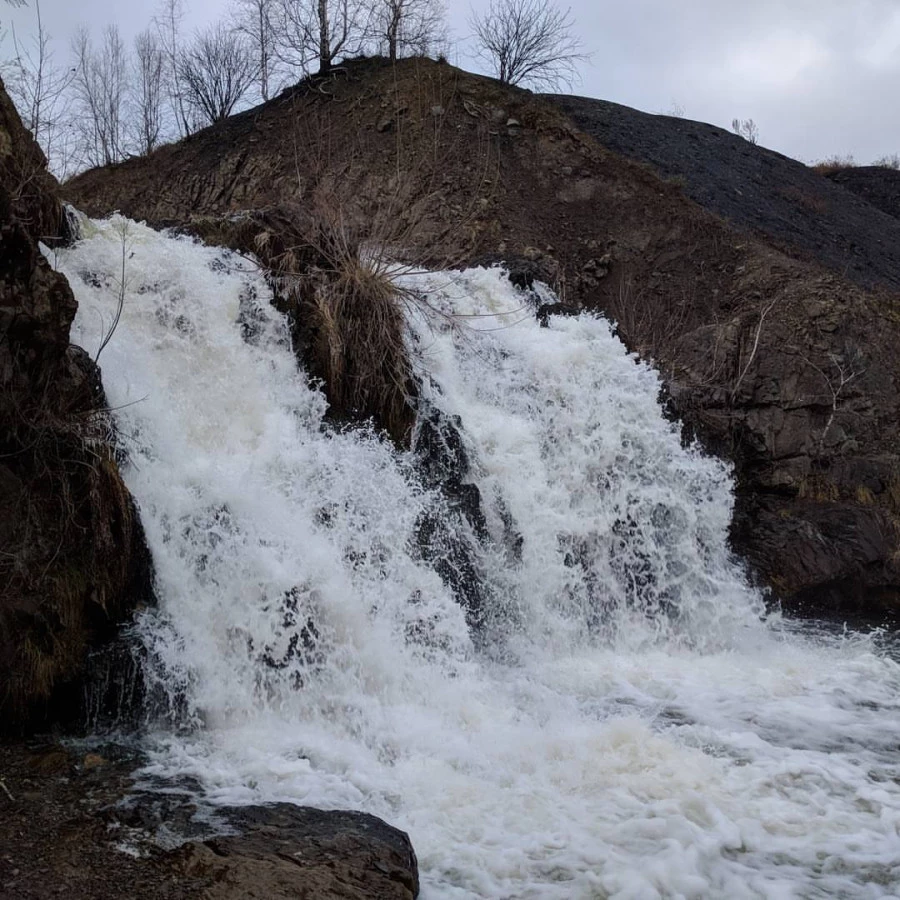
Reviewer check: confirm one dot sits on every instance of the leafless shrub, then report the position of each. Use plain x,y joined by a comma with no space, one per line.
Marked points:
890,161
834,164
528,42
747,129
648,324
844,371
216,71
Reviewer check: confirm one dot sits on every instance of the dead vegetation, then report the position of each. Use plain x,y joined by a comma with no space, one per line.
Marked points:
335,254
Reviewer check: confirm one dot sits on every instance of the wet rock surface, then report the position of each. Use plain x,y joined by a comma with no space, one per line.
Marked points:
73,823
286,851
72,557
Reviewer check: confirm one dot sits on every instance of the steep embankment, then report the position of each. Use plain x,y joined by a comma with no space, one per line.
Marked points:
784,366
71,549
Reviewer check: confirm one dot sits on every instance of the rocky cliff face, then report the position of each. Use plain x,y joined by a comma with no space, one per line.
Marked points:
71,557
771,355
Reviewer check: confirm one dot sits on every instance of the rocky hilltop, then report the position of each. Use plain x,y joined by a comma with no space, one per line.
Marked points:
768,296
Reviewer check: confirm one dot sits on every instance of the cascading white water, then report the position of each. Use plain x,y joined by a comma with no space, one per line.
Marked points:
624,724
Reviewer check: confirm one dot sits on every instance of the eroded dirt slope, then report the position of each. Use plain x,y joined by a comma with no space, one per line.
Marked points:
782,361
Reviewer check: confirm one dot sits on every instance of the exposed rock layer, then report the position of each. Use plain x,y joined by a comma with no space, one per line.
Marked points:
771,354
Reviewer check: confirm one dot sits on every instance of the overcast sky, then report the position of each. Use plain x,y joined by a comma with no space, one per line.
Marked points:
819,77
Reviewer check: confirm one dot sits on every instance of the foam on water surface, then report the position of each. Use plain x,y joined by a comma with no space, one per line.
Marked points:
625,725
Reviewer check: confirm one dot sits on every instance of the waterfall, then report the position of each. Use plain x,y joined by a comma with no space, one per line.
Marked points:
555,676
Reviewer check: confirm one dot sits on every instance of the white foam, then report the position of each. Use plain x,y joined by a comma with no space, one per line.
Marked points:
628,727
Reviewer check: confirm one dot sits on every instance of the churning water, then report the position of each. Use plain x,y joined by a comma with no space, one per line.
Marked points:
622,722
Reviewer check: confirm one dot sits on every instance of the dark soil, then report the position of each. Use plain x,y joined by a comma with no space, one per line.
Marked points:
779,200
875,184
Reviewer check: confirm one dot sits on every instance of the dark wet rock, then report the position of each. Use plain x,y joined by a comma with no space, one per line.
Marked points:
286,851
73,823
450,533
73,561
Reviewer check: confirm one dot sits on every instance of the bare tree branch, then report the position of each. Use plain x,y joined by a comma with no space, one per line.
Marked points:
100,83
168,25
528,42
407,27
216,72
37,87
255,20
320,32
147,90
747,129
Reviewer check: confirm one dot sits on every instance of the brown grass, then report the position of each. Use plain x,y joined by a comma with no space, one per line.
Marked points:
832,164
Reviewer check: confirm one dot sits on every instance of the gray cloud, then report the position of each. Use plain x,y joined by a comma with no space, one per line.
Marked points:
818,76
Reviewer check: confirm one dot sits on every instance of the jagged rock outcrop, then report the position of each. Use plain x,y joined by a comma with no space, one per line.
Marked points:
71,548
777,347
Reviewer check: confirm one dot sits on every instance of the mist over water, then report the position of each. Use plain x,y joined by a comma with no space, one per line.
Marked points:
624,721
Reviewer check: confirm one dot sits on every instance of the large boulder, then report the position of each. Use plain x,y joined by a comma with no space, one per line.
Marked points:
72,562
285,851
75,824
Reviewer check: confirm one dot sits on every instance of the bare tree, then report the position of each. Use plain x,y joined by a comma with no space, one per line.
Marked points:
37,86
216,71
528,42
168,25
255,19
100,84
404,27
320,31
747,129
147,90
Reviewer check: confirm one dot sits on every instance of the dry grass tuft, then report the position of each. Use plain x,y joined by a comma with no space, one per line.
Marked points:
833,164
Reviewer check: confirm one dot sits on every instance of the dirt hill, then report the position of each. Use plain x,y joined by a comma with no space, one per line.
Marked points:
768,303
877,185
779,200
